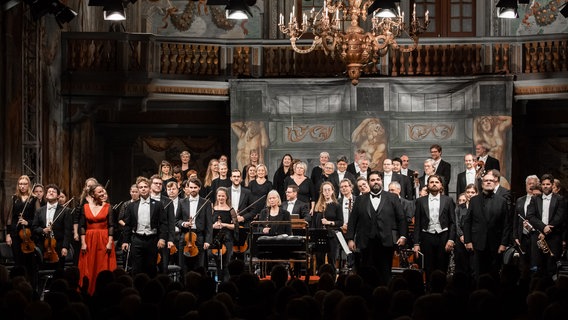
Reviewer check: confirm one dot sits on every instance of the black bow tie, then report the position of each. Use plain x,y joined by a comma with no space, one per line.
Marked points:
378,195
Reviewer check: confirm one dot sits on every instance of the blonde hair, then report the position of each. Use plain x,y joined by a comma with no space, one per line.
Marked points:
18,192
209,174
321,205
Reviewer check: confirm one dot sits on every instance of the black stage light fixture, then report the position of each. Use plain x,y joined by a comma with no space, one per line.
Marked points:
63,14
386,8
238,10
564,10
114,10
507,9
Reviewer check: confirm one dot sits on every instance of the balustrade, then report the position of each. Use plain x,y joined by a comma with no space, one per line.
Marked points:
200,59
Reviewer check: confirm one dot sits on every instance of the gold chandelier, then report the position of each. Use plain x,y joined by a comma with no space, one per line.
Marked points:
354,46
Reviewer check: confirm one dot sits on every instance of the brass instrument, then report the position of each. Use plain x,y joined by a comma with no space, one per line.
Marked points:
541,242
543,245
526,225
480,169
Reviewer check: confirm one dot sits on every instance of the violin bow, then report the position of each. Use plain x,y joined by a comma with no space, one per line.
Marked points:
65,205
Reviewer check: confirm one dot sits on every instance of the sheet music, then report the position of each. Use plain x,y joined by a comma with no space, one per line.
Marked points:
342,242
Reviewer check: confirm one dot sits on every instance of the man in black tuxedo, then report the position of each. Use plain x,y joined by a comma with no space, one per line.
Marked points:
240,199
489,162
388,176
407,181
423,180
353,167
502,191
468,176
340,174
146,230
363,171
194,215
346,201
53,221
547,214
522,229
373,218
156,193
487,228
434,227
404,167
441,167
295,206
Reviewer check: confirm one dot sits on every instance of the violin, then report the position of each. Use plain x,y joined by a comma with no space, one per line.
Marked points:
50,254
27,245
190,249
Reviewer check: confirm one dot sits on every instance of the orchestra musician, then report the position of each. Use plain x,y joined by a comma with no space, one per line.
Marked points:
328,215
224,225
193,217
53,223
19,235
145,230
273,212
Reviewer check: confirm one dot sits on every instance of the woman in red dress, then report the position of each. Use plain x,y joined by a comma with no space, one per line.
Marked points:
97,245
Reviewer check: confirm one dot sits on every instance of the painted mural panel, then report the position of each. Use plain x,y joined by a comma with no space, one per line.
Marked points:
202,19
387,118
541,17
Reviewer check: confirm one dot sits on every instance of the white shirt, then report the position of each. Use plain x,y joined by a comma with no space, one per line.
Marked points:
144,226
484,158
387,178
235,197
290,206
546,207
363,174
404,171
345,206
175,203
193,210
434,211
50,213
375,201
469,176
341,175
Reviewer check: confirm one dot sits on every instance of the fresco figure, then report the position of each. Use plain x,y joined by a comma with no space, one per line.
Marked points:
492,131
252,136
371,136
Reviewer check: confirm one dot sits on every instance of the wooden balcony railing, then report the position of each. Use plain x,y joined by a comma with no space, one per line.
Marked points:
180,58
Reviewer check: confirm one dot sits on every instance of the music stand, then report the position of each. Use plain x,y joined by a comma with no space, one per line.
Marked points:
218,242
318,240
